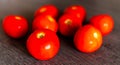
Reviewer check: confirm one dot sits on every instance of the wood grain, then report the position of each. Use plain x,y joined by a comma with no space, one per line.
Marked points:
14,52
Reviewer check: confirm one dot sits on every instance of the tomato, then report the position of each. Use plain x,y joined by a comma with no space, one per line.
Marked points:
103,22
88,39
68,24
15,26
48,9
43,44
77,10
45,22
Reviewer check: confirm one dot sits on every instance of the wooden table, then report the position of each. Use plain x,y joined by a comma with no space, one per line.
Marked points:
14,52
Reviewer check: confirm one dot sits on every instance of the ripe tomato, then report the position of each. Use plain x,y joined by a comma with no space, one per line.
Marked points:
68,24
43,44
47,10
77,10
103,22
15,26
88,39
45,22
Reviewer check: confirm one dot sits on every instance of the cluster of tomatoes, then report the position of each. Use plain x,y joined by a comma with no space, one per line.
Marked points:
43,43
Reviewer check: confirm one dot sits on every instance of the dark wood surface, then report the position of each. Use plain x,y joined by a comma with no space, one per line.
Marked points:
14,52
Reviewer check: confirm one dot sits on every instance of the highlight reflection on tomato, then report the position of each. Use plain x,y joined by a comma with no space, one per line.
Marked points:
43,44
88,39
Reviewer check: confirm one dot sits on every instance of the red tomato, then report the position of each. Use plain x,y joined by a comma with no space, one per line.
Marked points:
43,44
47,10
68,24
77,10
45,22
88,39
15,26
103,22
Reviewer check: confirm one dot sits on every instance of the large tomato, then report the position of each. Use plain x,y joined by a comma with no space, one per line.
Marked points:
43,44
103,22
48,9
76,10
68,24
15,26
45,22
88,39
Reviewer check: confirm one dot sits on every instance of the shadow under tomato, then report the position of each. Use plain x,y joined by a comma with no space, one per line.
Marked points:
85,22
66,41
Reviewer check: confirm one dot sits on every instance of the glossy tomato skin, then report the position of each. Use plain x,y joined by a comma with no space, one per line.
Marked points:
43,44
76,10
48,9
103,22
68,24
45,22
15,26
88,39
